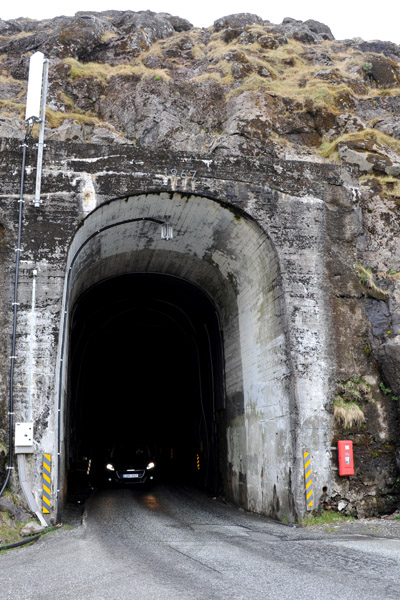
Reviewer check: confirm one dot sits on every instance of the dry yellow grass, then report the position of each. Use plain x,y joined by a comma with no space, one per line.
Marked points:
54,118
327,149
104,71
347,414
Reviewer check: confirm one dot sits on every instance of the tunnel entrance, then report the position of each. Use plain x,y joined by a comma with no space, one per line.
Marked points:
141,349
146,368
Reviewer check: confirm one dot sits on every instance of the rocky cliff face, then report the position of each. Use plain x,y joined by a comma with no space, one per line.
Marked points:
246,87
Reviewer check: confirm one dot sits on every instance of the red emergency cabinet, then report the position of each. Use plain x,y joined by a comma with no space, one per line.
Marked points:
345,454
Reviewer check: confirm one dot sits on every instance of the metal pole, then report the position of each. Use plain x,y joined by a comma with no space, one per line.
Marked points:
32,334
37,201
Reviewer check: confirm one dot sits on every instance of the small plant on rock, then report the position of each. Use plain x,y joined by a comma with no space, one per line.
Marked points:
367,281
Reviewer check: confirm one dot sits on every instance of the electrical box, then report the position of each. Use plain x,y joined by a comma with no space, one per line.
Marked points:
345,456
23,438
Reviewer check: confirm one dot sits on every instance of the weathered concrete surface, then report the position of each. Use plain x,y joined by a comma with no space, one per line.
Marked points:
261,231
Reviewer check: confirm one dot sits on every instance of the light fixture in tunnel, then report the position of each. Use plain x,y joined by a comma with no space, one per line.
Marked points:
167,232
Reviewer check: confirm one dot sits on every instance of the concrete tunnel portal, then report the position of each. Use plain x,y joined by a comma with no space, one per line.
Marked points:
182,341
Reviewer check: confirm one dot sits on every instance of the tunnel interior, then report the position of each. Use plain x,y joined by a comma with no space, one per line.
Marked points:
146,366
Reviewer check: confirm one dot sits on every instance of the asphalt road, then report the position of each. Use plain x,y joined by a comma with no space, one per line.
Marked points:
175,543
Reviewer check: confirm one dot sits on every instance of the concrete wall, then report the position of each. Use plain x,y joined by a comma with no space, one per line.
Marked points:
256,236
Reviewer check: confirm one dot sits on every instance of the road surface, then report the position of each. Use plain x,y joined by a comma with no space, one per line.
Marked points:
176,543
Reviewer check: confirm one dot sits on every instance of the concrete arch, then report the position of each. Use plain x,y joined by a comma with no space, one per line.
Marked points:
224,253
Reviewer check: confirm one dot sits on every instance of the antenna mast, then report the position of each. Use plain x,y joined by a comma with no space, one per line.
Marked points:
36,108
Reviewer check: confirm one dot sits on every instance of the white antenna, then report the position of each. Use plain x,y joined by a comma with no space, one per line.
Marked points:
35,79
36,108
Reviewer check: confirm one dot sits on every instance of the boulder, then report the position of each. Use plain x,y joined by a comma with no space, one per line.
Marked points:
322,30
237,21
382,72
32,528
308,32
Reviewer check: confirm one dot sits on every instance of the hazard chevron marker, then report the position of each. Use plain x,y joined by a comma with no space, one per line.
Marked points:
308,481
46,498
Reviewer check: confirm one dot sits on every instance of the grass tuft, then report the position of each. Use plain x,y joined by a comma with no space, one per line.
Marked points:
348,414
327,517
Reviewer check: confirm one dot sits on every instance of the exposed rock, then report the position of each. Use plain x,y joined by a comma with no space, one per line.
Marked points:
150,115
389,126
323,31
106,135
229,34
72,36
370,156
16,511
237,21
178,23
316,57
32,528
346,123
84,92
389,49
69,130
382,72
378,107
9,27
270,42
308,32
11,128
388,356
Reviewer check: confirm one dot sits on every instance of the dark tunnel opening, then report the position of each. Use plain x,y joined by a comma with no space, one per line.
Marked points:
146,367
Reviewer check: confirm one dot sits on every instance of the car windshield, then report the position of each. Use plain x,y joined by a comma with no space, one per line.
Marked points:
130,452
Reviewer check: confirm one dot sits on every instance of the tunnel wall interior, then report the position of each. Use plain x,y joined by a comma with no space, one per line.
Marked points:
228,259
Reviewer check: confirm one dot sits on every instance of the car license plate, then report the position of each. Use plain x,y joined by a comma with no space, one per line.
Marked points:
130,475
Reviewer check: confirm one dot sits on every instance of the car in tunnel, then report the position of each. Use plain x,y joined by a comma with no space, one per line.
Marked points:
129,464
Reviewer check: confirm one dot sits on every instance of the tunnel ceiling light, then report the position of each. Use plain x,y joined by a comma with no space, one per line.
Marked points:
167,232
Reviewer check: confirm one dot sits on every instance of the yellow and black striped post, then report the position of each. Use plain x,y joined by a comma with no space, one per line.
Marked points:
308,481
46,479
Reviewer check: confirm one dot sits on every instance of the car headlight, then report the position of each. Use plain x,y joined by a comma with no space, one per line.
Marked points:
151,465
110,467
